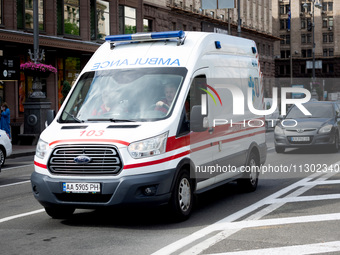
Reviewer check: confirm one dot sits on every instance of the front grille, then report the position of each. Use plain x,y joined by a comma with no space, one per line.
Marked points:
301,130
103,159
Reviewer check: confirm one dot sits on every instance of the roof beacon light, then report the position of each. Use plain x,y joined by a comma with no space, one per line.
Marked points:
146,36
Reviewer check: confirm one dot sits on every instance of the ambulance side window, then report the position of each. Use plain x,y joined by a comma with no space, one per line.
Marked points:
194,98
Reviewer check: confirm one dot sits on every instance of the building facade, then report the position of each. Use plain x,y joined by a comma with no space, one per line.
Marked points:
294,53
71,30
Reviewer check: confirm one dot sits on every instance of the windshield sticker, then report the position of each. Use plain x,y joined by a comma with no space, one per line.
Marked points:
136,62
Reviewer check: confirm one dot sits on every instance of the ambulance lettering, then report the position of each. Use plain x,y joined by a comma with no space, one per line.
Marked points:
136,62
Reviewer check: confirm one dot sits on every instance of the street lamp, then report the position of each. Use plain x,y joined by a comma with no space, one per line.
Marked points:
319,6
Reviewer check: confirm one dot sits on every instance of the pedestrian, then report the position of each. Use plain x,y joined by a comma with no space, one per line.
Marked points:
5,119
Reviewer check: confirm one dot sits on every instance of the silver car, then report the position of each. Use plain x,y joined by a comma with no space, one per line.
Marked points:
322,127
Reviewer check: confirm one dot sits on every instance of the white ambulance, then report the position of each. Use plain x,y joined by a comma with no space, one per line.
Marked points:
154,118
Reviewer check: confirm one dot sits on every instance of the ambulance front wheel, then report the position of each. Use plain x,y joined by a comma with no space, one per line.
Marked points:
58,212
182,197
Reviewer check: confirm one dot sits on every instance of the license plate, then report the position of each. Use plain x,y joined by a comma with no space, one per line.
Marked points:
300,139
81,187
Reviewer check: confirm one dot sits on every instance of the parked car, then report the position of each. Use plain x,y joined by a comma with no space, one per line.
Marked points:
5,147
271,119
299,130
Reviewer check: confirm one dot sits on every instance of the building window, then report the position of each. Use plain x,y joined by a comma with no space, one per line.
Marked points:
309,38
330,37
127,20
173,24
68,17
327,6
303,38
330,6
324,37
328,68
325,52
100,19
306,53
303,23
327,22
330,21
285,40
283,54
25,14
282,24
324,22
309,53
331,52
147,25
282,9
68,70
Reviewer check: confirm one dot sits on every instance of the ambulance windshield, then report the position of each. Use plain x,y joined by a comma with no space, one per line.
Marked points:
123,95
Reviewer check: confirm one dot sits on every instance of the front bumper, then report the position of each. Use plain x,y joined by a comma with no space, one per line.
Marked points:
126,190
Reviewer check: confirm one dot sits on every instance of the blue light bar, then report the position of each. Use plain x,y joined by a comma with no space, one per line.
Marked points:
146,36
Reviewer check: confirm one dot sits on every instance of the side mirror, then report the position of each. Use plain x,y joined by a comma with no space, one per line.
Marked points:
197,119
49,117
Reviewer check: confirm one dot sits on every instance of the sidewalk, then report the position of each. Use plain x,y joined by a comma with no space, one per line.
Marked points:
22,150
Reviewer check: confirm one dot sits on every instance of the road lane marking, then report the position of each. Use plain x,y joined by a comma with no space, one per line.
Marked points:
200,234
12,184
21,215
306,198
14,167
295,249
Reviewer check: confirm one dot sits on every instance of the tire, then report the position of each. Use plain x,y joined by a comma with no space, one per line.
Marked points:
279,149
335,146
182,198
59,212
2,157
249,181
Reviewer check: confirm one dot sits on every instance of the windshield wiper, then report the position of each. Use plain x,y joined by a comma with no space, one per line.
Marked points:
73,117
111,119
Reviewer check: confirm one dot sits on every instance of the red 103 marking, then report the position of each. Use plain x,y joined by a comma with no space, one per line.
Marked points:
92,133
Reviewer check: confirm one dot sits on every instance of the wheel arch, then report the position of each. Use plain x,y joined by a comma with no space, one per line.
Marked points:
253,148
185,163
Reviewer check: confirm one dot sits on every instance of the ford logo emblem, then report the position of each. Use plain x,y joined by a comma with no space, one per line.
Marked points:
82,159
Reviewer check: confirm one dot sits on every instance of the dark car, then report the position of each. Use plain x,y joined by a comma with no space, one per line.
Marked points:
300,130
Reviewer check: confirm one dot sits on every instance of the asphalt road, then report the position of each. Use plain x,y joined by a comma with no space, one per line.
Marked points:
295,210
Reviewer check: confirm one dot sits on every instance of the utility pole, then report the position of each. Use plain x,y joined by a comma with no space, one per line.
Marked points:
239,18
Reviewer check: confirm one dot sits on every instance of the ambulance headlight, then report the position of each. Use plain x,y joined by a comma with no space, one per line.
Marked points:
148,147
41,149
